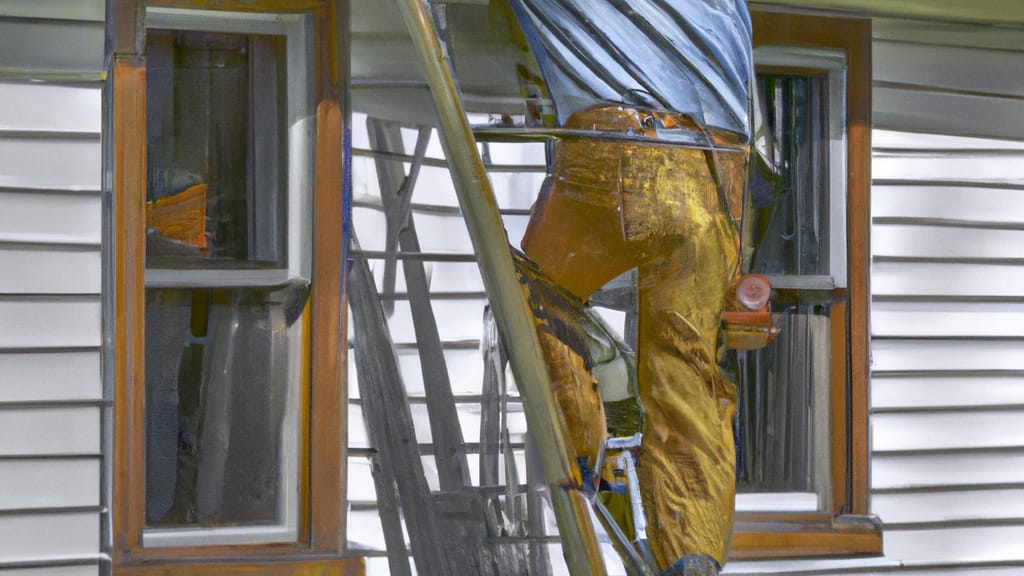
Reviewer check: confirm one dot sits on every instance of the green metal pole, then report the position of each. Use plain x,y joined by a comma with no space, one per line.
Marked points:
508,300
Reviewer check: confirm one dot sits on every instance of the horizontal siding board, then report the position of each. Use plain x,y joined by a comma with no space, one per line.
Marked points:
805,566
443,276
949,506
376,56
945,392
358,435
946,355
943,113
370,533
456,320
442,233
29,45
984,544
946,202
957,280
360,480
895,139
464,367
83,570
29,323
410,104
943,431
950,67
50,376
370,225
49,484
937,32
434,187
955,319
43,431
359,483
66,164
959,469
517,153
27,217
517,190
469,423
515,228
50,108
45,269
922,241
35,537
92,10
512,190
434,149
955,166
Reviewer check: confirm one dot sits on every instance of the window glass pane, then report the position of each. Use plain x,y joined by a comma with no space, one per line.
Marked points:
791,185
783,388
222,373
216,146
777,396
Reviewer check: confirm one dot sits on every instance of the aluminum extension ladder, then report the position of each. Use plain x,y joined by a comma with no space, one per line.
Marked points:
447,530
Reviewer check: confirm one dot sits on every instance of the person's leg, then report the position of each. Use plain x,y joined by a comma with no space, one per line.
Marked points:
611,206
687,462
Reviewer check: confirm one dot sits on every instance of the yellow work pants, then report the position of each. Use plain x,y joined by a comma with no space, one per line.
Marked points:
613,205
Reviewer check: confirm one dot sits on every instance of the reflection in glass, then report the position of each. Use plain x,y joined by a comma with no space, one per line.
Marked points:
222,365
783,386
791,190
216,142
221,404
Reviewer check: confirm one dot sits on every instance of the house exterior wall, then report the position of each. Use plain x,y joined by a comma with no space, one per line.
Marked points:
948,365
51,392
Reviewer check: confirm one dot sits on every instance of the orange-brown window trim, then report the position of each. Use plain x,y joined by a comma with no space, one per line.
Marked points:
319,547
846,529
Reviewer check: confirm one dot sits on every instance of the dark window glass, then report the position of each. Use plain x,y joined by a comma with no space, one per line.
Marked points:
784,387
222,365
216,148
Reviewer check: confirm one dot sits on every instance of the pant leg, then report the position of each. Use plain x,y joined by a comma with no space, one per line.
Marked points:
609,207
687,462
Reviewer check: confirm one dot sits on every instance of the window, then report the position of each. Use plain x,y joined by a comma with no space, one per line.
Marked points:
802,474
226,278
798,231
225,268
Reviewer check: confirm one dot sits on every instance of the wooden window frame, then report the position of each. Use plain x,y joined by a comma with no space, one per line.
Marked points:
845,529
320,546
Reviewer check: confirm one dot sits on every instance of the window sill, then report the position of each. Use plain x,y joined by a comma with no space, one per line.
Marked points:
759,536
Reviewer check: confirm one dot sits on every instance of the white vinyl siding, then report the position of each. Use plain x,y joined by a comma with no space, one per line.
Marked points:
63,49
49,269
41,484
51,392
46,375
58,218
50,322
29,537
